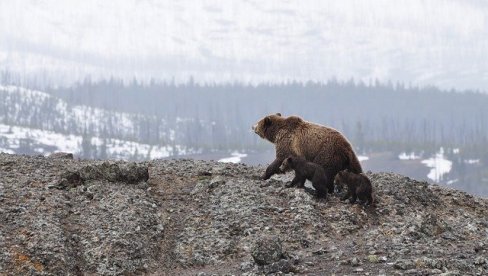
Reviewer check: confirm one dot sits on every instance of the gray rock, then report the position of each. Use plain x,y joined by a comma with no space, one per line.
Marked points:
267,250
404,264
284,266
450,273
480,260
320,251
382,259
68,179
216,181
355,262
124,172
432,226
246,266
61,155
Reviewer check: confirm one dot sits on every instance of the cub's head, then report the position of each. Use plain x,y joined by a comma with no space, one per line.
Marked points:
268,126
287,164
341,179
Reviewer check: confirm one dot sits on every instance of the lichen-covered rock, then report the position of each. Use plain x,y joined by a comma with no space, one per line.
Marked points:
61,155
182,217
283,266
267,250
115,171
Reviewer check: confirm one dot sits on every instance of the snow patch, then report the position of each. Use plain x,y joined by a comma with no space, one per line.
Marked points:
9,151
24,92
439,166
450,182
362,158
409,156
235,157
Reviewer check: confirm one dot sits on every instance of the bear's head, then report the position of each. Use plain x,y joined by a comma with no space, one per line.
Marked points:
287,164
268,127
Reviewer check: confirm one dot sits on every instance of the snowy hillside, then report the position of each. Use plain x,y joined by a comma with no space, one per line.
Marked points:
440,42
34,122
39,109
22,140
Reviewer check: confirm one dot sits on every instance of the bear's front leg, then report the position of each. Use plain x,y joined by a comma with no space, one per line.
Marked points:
296,180
346,196
273,168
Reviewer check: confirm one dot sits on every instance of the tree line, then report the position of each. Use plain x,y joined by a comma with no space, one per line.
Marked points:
373,116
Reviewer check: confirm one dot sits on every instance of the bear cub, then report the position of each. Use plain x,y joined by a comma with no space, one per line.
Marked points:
358,186
306,170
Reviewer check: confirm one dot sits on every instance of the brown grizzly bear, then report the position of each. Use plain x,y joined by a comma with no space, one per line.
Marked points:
321,145
306,170
358,186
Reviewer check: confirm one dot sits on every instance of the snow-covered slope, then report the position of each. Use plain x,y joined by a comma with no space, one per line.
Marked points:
23,140
37,109
439,42
33,122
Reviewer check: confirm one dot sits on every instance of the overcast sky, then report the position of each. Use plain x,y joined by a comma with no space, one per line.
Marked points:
443,43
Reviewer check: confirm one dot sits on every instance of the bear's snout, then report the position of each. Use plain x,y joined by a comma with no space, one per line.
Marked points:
254,127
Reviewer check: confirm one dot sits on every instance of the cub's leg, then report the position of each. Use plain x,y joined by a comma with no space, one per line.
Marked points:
301,182
321,191
354,196
320,185
296,180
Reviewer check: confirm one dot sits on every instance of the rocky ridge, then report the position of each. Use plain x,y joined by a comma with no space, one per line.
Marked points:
60,216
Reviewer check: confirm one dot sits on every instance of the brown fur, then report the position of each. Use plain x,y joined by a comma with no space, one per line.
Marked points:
322,145
358,186
306,170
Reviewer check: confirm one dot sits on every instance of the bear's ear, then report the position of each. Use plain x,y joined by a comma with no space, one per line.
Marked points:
278,114
267,121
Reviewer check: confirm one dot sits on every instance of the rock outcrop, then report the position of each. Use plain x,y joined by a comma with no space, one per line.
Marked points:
60,216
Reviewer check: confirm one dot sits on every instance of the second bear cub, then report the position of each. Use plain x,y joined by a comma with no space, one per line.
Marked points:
358,186
306,170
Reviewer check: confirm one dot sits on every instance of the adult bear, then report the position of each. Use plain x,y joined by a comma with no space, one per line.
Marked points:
322,145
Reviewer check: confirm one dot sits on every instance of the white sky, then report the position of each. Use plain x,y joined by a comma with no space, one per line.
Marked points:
444,43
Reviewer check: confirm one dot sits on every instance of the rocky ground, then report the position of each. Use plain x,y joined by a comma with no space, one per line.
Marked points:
60,216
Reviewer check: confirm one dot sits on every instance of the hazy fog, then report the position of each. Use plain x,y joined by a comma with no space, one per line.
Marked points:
442,43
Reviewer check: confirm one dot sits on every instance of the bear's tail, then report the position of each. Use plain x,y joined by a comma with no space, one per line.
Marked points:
354,165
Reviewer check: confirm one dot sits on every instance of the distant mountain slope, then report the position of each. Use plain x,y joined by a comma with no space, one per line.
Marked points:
23,140
37,109
33,122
